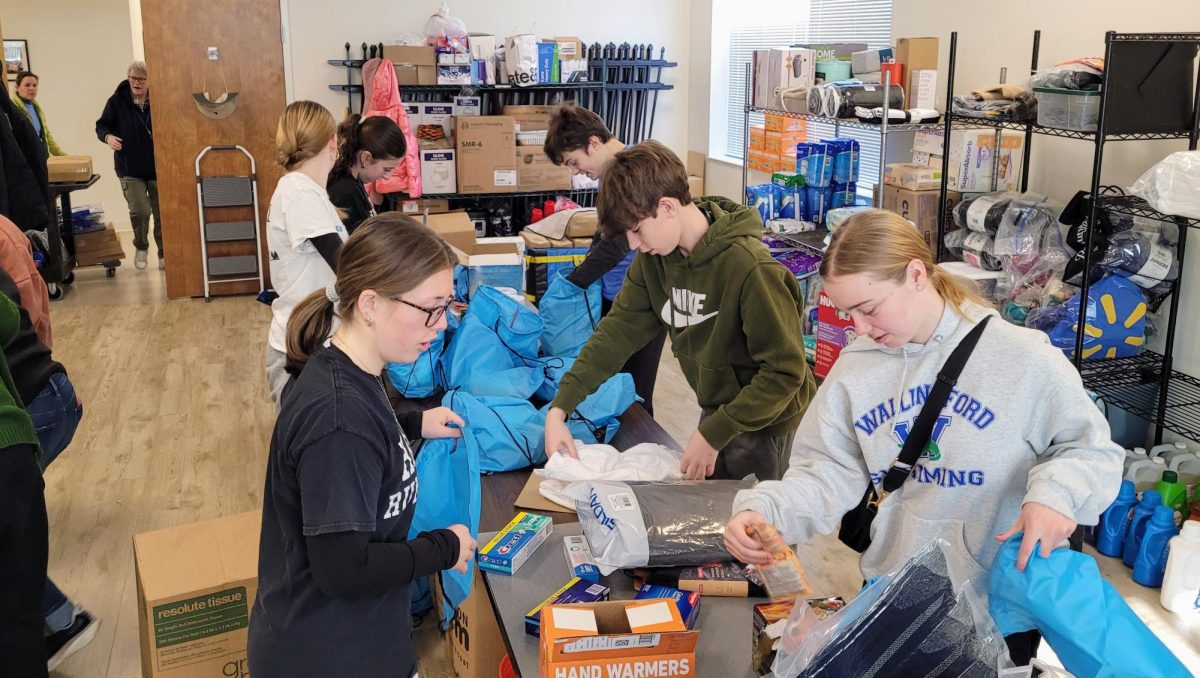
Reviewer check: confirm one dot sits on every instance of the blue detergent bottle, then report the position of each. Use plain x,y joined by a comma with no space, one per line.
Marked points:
1114,522
1137,525
1151,561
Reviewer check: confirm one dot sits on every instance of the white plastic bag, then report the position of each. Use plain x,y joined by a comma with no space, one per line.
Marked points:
521,60
1173,185
441,28
647,461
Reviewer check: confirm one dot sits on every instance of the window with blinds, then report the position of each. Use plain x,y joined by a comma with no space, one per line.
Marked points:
866,21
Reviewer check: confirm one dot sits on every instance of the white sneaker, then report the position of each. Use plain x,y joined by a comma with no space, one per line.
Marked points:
162,263
139,260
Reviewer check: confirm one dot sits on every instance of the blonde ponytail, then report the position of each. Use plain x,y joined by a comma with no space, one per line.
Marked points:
881,244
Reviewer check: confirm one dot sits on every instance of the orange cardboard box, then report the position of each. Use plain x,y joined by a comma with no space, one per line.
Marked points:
758,137
657,615
615,650
782,123
782,143
761,162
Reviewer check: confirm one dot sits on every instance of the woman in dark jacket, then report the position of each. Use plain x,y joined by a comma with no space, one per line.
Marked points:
368,150
125,126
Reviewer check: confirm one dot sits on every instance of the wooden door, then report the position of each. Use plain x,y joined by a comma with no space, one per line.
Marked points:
177,35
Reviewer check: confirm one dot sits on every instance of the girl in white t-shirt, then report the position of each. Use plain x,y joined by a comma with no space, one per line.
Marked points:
304,230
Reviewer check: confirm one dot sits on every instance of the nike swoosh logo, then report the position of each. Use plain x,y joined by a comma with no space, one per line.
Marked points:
679,319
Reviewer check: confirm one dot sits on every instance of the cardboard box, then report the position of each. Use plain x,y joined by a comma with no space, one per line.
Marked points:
487,154
784,67
835,330
716,579
579,558
454,75
659,615
688,602
574,591
611,649
196,585
436,115
916,54
920,207
929,141
570,47
912,176
530,118
972,157
468,106
487,261
99,246
423,205
758,138
869,60
473,639
696,164
513,545
69,168
782,144
759,161
924,89
411,55
548,64
695,186
438,170
535,171
783,123
836,50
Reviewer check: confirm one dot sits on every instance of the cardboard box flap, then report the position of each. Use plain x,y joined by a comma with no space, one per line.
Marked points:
458,230
696,163
198,556
614,639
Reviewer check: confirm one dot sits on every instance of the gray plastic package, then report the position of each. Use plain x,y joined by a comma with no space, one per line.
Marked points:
641,524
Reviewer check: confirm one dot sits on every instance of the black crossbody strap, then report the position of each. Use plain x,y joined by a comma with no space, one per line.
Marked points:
902,468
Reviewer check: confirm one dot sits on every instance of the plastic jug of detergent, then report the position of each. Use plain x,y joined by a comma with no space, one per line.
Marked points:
1181,583
1151,561
1137,525
1114,522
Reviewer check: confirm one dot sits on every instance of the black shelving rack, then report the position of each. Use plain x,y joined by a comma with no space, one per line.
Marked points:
1145,385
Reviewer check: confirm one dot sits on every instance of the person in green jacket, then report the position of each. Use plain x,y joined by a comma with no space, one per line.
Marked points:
26,100
732,312
24,542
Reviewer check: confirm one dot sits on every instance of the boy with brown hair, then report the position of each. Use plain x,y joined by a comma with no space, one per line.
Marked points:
578,138
732,311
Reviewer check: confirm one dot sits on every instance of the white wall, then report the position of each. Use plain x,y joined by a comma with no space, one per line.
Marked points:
995,35
80,50
314,32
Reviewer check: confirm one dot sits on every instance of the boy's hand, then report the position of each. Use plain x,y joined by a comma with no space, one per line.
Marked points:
699,458
558,436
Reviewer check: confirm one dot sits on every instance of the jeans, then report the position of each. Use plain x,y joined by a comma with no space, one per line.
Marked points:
55,412
142,198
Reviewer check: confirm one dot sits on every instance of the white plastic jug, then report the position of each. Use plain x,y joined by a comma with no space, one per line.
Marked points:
1134,455
1181,583
1170,454
1144,474
1188,468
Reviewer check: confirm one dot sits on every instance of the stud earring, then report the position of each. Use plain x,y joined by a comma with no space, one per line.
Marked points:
920,287
370,323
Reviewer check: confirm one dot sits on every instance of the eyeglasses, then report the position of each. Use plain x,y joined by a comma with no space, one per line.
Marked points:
434,314
135,78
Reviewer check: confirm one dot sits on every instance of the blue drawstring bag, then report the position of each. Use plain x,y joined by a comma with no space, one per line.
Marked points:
611,282
494,352
423,377
1087,623
509,432
569,316
462,286
597,419
422,596
1115,317
448,480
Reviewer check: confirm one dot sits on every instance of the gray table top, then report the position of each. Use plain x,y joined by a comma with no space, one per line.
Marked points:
725,624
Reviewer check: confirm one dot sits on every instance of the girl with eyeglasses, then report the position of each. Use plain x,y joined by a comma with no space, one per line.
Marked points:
335,560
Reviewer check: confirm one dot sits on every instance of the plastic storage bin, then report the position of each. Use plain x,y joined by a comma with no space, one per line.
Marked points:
1068,108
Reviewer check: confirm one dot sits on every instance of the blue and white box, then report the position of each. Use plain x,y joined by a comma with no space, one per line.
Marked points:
513,545
575,591
579,558
688,602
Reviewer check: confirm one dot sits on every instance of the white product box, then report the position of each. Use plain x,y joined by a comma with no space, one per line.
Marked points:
468,106
438,114
924,94
972,157
438,170
414,114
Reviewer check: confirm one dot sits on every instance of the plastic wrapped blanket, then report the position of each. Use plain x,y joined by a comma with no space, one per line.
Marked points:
924,619
655,524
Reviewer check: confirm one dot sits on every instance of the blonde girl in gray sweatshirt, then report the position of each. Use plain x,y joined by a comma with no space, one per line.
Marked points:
1019,445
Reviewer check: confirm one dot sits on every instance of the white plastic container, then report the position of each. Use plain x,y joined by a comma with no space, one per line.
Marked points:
1068,108
1134,455
1181,583
1144,474
1171,452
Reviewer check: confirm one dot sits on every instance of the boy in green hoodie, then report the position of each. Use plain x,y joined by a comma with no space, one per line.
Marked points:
733,314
